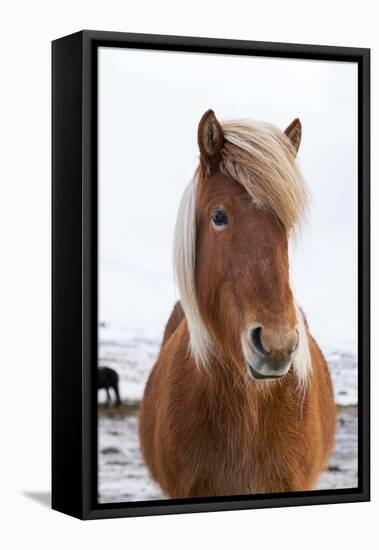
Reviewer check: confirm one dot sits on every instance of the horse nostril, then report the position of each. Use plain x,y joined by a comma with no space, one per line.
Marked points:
257,342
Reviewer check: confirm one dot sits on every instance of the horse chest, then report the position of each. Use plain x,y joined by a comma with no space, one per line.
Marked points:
238,451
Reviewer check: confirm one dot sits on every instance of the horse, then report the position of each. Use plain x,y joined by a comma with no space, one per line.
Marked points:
240,400
108,378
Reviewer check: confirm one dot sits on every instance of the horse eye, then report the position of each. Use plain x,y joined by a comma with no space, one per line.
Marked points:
219,218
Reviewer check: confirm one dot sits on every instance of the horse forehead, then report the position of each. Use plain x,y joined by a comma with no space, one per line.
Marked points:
219,185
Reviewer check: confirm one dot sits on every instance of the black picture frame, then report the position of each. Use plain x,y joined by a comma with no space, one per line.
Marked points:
74,272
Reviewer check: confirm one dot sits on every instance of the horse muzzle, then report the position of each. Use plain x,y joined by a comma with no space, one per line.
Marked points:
272,363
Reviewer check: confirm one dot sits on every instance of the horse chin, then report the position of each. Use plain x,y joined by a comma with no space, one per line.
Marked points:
266,374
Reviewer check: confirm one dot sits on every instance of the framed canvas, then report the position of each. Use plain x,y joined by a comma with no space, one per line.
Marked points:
211,334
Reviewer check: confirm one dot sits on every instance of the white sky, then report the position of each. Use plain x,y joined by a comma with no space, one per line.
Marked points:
150,104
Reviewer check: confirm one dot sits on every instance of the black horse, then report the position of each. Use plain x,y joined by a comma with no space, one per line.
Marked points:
108,378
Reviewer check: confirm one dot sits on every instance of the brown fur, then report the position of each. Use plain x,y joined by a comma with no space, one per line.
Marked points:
215,431
176,316
293,132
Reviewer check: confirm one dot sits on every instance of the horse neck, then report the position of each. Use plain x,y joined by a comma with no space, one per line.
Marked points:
238,400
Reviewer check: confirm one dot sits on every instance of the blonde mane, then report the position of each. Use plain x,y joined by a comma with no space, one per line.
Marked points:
261,158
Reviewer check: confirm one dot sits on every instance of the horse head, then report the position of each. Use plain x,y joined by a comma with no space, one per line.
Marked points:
231,249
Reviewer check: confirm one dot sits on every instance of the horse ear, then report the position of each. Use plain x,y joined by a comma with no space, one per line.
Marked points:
293,132
210,138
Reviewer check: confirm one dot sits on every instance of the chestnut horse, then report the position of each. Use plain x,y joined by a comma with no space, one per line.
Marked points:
240,400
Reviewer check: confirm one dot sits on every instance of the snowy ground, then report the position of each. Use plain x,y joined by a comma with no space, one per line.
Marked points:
122,473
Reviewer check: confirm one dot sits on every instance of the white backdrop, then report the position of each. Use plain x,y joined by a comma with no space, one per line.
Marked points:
150,104
27,30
